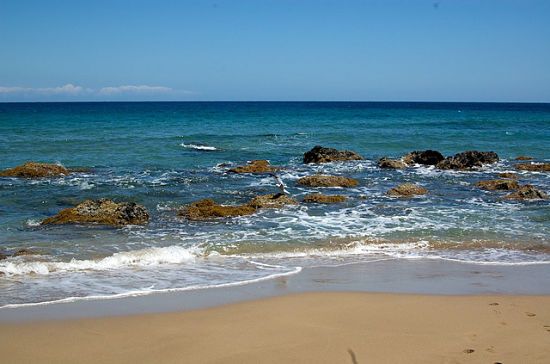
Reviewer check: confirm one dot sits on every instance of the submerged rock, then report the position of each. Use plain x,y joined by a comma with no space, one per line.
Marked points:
523,158
255,166
35,170
534,167
468,160
272,201
498,184
3,256
102,211
208,209
391,163
425,157
320,180
407,190
320,198
508,175
527,192
324,155
23,251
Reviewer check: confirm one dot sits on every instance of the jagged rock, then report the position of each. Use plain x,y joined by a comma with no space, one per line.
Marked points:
534,167
523,158
426,157
208,209
255,166
323,155
102,211
391,163
407,190
508,175
498,184
320,198
327,181
527,192
35,170
468,160
272,201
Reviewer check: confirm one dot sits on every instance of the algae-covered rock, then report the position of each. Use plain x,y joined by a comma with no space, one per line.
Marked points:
498,184
468,160
208,209
35,170
102,211
527,192
508,175
391,163
320,198
272,201
523,158
424,157
407,190
320,154
534,167
255,166
320,180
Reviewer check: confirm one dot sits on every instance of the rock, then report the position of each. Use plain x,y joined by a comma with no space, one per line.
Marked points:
3,256
498,184
35,170
255,166
208,209
523,158
527,192
391,163
426,157
23,251
101,211
320,180
272,201
320,198
534,167
468,160
407,190
508,175
324,155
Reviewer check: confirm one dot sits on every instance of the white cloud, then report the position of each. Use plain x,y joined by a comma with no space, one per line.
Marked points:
133,89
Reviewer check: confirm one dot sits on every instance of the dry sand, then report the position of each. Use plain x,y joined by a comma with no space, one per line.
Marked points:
301,328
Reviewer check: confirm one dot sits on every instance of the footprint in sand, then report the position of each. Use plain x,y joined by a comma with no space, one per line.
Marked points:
547,328
493,304
468,351
490,349
530,314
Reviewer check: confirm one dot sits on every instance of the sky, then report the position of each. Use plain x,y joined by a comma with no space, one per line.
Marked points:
275,50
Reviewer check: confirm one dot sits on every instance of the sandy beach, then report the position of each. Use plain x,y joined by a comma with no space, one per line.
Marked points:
329,327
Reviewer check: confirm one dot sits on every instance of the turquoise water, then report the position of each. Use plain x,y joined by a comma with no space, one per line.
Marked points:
165,155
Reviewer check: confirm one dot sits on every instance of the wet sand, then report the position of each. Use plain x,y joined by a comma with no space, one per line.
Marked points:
321,327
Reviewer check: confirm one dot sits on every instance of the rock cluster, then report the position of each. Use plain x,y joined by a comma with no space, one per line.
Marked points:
255,166
320,180
534,167
468,160
320,198
102,211
523,158
407,190
391,163
17,253
324,155
426,157
35,170
527,192
498,184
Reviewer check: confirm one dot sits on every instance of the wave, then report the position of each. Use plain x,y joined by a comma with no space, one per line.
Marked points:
207,148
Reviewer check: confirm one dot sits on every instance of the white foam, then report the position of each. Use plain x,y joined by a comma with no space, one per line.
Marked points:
199,147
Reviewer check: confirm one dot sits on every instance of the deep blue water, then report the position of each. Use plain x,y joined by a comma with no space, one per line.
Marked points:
151,153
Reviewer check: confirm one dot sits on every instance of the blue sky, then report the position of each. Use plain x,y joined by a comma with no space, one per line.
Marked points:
387,50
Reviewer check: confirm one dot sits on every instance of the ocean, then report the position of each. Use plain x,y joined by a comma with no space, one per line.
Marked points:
166,155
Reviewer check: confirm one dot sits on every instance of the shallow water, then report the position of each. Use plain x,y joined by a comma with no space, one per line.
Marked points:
164,155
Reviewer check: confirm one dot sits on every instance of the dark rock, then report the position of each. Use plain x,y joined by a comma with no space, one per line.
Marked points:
468,160
327,181
534,167
426,157
320,198
508,175
208,209
35,170
23,251
498,184
3,256
272,201
255,166
101,211
391,163
527,192
523,158
407,190
324,155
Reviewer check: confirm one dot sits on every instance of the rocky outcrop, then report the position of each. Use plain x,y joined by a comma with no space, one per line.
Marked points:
527,192
407,190
498,184
523,158
208,209
320,198
534,167
272,201
35,170
391,163
103,211
320,180
468,160
425,157
255,166
324,155
508,175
